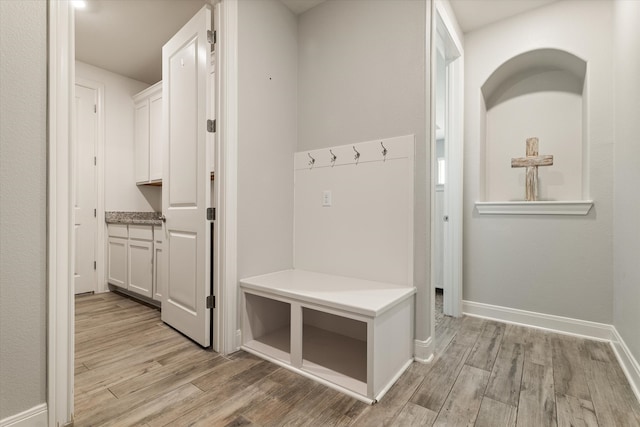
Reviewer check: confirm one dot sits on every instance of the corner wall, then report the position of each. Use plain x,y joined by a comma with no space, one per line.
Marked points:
626,247
267,128
545,264
23,205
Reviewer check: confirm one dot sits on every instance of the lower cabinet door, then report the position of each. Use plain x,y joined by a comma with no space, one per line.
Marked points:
141,267
158,274
117,261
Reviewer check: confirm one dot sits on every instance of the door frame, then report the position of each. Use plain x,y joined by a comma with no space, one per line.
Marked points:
60,295
101,255
227,176
61,310
454,134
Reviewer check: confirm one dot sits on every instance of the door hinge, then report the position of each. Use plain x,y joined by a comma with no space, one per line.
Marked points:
95,160
211,301
95,108
211,214
95,265
95,214
211,37
211,126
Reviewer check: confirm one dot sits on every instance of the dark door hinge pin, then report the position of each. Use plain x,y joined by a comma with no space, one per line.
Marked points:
211,301
211,37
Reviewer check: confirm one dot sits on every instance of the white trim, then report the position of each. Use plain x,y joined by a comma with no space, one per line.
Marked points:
547,322
443,8
34,417
423,350
393,380
629,364
101,226
574,207
228,167
60,327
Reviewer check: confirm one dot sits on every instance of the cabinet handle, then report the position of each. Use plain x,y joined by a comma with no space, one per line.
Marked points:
163,218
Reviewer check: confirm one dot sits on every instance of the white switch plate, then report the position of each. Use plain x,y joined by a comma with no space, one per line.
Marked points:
326,198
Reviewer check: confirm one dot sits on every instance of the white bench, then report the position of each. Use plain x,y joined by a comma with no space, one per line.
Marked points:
353,335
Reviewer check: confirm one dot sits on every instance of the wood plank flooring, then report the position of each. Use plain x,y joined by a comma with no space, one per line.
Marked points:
133,370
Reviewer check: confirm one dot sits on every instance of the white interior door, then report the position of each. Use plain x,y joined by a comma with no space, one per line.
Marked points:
451,217
84,197
186,180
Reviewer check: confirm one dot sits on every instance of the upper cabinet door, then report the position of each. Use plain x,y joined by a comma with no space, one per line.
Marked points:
186,181
141,139
155,137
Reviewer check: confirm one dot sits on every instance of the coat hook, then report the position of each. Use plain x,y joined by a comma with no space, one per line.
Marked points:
312,161
333,158
384,151
357,156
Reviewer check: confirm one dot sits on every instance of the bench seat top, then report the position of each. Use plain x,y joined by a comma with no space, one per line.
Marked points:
359,296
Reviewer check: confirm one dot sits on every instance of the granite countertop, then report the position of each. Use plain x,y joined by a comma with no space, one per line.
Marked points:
141,218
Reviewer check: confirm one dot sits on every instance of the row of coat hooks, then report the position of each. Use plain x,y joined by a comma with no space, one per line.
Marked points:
356,157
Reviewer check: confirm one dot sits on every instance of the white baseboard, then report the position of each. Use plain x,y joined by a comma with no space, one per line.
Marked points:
549,322
34,417
423,350
629,364
566,326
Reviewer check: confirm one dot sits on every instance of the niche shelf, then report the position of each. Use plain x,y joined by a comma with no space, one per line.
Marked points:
539,93
579,207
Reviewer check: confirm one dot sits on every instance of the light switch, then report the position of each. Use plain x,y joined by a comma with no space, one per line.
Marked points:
326,198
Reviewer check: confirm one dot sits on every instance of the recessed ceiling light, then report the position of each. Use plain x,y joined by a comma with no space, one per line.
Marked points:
79,4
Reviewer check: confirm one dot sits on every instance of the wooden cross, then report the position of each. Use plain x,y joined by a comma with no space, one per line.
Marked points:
531,162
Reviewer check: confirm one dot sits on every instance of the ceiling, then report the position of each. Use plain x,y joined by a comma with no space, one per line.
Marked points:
474,14
301,6
126,36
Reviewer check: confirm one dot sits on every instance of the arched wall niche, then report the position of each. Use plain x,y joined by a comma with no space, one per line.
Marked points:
540,93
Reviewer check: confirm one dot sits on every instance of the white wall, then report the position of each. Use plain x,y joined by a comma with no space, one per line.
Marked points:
546,264
362,74
626,309
121,192
267,128
23,209
366,232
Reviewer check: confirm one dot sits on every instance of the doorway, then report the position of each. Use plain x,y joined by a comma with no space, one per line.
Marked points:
87,100
447,164
88,187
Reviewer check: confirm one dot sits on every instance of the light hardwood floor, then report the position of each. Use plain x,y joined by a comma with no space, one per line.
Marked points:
132,370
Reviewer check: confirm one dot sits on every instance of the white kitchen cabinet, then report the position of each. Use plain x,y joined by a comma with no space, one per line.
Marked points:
117,268
158,263
140,248
155,136
148,135
141,140
134,259
117,255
